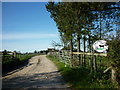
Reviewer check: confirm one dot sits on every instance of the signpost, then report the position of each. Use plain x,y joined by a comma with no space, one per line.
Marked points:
100,46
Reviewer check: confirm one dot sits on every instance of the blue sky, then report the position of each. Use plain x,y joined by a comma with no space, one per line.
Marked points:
27,26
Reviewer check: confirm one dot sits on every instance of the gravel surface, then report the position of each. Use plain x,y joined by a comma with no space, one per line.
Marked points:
39,73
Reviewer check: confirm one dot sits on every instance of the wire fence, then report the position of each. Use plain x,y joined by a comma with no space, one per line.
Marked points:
80,59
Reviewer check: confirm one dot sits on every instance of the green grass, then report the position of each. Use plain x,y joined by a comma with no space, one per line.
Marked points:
81,77
8,61
24,57
104,60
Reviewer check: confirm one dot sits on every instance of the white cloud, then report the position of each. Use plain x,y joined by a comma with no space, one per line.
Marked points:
27,36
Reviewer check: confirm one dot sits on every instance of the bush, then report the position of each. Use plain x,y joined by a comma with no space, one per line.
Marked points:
114,56
9,61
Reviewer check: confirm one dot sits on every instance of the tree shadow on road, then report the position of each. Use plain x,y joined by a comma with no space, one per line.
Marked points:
38,80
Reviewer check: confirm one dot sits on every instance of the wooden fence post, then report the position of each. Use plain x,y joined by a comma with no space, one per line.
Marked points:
84,62
113,75
81,59
92,57
94,63
14,53
91,63
100,61
89,60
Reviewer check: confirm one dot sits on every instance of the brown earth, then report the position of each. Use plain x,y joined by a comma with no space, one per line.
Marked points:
39,73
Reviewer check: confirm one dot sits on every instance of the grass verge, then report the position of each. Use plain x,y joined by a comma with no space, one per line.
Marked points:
9,62
81,77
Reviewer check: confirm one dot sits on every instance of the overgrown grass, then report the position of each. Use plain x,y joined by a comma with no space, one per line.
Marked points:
81,77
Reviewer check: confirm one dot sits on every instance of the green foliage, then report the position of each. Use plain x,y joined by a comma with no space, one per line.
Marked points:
83,18
114,54
4,52
24,57
81,77
9,61
114,50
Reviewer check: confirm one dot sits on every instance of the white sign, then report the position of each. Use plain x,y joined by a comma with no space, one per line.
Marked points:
100,46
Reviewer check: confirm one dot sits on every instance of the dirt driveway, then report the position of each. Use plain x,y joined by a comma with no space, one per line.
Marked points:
39,73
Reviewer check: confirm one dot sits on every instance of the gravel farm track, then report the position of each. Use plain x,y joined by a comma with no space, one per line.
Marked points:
40,72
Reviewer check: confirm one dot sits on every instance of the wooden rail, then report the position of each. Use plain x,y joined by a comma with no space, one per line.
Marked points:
97,54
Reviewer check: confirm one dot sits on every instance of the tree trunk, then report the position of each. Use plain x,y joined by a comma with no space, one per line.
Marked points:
100,26
92,55
71,50
78,47
84,62
89,50
78,43
71,46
